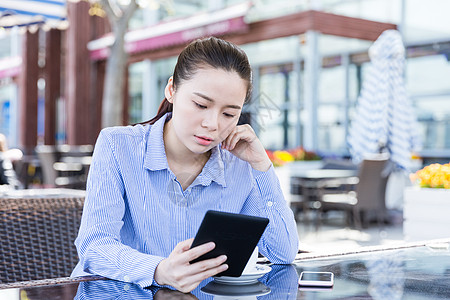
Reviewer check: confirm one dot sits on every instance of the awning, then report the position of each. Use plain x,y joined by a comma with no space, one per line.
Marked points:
228,20
29,12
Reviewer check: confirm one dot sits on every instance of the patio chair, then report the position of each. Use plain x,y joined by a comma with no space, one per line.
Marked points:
8,176
38,230
297,187
58,167
363,199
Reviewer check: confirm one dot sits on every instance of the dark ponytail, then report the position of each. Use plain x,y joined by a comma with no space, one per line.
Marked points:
164,107
212,52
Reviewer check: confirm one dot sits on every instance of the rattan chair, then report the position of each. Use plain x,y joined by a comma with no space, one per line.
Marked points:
37,233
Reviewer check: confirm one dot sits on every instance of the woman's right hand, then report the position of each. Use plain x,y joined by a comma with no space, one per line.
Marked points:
177,272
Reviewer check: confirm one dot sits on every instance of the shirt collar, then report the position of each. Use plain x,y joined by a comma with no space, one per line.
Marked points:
214,170
155,158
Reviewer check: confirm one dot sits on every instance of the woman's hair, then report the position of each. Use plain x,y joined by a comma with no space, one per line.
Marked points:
201,53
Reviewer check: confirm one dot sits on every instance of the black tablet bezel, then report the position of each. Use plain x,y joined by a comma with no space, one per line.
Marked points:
235,235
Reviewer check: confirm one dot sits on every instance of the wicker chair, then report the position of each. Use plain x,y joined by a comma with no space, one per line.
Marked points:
37,231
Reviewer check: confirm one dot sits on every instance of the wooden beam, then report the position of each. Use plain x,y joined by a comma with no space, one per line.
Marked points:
78,74
52,75
348,27
96,96
289,25
28,96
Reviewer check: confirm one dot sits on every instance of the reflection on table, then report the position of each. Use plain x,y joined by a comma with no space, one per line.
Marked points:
419,271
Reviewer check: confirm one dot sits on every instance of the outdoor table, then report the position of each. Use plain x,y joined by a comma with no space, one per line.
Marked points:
407,271
311,181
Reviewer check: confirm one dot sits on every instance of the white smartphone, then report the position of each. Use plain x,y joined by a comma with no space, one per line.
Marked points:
316,279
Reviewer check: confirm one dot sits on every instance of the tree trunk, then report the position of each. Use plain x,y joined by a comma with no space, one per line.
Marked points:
112,102
114,83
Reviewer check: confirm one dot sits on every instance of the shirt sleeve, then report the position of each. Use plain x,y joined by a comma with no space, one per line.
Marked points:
279,242
99,244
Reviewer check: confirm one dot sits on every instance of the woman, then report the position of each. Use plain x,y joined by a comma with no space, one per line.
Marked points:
150,185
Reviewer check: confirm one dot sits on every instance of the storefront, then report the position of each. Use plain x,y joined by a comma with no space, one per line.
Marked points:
308,68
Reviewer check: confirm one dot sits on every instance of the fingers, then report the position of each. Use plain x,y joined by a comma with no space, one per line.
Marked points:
190,254
179,273
197,278
183,246
242,132
200,271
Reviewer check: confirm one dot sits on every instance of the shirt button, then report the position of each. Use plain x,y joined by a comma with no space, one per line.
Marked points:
269,203
126,278
126,287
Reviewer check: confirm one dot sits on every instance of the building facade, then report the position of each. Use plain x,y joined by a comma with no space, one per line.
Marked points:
309,59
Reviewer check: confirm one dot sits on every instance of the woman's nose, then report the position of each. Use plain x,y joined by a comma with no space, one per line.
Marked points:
210,121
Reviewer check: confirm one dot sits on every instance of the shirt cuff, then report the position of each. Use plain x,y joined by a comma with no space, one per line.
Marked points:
266,180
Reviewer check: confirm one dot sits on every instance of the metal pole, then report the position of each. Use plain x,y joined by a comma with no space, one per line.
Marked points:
310,98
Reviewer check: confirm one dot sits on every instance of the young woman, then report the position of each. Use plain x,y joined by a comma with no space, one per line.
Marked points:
150,185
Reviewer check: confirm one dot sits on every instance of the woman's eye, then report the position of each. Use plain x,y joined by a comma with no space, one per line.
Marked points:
228,115
199,105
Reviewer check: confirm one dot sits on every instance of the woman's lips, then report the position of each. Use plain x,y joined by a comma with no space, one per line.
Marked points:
203,140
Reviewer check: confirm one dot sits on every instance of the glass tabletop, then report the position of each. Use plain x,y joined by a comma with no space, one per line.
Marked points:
408,273
416,272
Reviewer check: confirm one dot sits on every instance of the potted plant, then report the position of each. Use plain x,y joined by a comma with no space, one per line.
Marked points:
427,204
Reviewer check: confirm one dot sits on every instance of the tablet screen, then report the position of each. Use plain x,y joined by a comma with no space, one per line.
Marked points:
235,235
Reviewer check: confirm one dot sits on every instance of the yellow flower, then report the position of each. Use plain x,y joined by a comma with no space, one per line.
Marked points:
283,156
433,176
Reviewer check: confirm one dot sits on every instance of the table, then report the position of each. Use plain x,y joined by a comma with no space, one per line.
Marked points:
408,271
311,181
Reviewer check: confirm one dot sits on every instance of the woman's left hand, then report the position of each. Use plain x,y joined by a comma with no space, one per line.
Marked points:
244,144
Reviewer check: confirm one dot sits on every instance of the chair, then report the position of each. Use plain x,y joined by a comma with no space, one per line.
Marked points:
8,176
62,165
365,197
38,230
339,164
298,186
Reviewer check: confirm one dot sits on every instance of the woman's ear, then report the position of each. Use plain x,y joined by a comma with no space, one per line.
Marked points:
169,90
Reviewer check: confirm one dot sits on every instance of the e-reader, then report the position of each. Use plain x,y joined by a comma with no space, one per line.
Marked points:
235,235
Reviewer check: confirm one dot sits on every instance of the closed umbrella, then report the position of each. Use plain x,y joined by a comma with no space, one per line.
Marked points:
384,119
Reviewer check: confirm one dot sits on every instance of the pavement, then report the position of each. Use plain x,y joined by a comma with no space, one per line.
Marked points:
334,234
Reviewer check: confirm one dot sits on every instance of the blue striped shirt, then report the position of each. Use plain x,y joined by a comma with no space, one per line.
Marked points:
136,212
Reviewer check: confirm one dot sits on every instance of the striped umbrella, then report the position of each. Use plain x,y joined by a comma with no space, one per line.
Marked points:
28,12
384,119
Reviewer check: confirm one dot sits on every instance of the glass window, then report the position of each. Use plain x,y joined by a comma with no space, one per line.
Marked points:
271,113
135,93
353,84
428,75
434,119
331,128
5,93
332,84
277,118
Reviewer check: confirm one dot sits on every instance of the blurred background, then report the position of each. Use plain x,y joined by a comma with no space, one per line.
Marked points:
70,68
309,60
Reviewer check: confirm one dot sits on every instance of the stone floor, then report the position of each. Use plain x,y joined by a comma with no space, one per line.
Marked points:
334,234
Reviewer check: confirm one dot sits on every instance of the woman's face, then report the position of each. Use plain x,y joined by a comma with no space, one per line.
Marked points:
206,108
